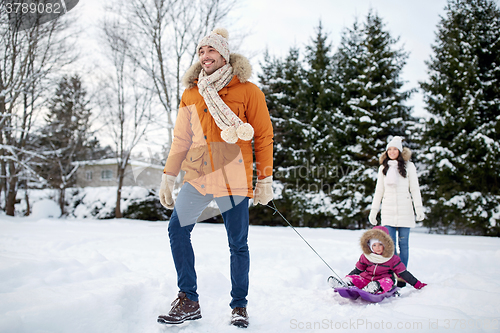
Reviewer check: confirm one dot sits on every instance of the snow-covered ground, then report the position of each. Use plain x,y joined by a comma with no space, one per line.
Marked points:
93,276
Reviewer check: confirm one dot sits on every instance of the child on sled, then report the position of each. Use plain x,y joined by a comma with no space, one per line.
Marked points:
376,268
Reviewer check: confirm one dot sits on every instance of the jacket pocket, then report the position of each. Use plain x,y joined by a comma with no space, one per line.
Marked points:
195,162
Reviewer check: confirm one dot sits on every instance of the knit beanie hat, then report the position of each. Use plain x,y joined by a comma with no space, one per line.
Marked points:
218,40
396,142
373,241
376,240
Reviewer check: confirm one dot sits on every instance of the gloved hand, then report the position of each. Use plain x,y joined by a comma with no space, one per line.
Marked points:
166,188
420,285
373,217
420,214
263,191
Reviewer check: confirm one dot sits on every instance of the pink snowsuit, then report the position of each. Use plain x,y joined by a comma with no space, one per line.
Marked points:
367,271
384,272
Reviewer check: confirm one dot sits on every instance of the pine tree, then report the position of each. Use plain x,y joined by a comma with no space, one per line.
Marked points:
319,73
283,85
320,100
66,135
300,100
320,136
371,109
463,135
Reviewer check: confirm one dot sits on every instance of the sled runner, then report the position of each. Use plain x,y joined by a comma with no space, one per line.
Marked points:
354,293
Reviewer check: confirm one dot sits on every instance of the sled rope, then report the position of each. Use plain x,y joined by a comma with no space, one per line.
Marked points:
277,211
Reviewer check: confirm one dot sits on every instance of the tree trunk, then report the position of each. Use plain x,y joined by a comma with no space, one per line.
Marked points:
3,164
3,180
118,211
27,199
62,199
12,191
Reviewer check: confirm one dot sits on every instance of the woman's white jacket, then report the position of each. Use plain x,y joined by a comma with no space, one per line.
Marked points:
398,201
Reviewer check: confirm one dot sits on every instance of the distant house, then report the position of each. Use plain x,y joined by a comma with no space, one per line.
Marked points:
104,173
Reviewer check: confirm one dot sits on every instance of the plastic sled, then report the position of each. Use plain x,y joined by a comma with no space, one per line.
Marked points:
355,293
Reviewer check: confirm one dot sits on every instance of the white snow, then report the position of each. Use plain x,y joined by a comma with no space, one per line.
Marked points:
366,119
86,276
45,208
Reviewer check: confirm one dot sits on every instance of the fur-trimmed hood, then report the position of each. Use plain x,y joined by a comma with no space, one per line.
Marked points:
406,155
382,236
241,68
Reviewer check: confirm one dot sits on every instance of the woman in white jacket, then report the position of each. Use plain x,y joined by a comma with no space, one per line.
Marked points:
398,190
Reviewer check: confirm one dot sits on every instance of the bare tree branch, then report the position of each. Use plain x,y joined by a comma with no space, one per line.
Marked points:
27,60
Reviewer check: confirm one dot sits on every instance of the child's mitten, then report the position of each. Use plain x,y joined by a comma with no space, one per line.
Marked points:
420,285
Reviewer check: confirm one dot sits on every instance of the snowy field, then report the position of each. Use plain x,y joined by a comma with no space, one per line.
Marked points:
91,276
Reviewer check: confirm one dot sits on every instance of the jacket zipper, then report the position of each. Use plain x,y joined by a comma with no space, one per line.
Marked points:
374,270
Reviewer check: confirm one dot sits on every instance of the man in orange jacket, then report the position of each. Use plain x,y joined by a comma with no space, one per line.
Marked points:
220,113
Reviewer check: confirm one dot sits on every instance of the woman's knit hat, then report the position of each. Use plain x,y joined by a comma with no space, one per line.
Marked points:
396,142
218,40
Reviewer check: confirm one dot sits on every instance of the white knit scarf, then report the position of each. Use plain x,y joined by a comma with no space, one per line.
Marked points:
376,258
392,176
231,125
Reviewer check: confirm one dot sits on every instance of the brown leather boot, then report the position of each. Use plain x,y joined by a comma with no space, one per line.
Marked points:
239,317
182,309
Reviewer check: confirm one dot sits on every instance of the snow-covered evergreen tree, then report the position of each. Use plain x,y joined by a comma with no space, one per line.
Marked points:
66,137
281,82
463,136
371,109
319,171
300,100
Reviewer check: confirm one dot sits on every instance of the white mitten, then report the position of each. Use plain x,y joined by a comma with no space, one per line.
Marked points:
373,217
420,214
263,191
166,188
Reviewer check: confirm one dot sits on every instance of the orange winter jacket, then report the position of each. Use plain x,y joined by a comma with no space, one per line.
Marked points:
213,166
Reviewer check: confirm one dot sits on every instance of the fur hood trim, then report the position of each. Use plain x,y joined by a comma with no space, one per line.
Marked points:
384,238
406,155
241,68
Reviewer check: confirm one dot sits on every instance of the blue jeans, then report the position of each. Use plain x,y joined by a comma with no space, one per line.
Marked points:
403,242
234,209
